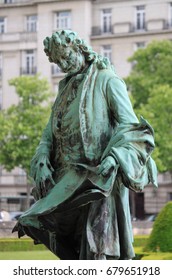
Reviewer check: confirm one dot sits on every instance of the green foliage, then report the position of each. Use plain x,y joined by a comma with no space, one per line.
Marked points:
150,85
161,235
152,67
21,125
140,240
32,90
158,111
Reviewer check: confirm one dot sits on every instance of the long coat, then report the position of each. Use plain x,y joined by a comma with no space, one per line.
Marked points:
107,127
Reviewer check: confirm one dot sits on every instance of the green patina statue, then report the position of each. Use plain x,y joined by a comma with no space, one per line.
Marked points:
92,151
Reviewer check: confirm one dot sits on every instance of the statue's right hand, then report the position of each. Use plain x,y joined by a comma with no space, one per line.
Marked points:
41,171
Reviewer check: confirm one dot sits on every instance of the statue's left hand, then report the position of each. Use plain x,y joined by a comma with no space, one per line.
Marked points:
107,165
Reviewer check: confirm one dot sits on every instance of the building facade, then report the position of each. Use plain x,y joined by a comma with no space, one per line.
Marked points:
121,27
113,28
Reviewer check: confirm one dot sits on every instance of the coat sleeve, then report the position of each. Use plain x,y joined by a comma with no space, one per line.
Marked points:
119,102
132,142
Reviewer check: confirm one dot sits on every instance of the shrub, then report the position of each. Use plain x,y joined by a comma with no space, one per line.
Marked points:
161,236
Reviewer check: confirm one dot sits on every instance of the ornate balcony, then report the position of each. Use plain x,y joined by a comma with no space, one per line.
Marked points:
28,70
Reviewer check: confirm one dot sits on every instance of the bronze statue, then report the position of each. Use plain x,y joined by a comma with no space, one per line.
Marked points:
92,151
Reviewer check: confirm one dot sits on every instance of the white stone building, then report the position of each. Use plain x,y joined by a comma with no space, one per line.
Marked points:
114,28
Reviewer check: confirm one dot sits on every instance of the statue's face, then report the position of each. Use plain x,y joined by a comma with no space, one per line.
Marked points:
68,59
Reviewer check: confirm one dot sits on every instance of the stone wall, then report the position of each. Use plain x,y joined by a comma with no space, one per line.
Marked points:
6,229
142,227
139,227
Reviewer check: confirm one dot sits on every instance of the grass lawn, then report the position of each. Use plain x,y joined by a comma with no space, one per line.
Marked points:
153,255
46,255
158,256
27,255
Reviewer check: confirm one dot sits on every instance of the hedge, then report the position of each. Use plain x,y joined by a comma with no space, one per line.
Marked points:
161,236
25,244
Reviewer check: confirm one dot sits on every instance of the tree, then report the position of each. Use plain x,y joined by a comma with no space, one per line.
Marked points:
152,66
150,85
158,111
161,235
21,125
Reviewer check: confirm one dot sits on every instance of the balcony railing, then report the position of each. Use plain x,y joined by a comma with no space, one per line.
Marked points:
97,31
21,37
12,179
28,36
167,24
20,179
134,28
28,71
129,27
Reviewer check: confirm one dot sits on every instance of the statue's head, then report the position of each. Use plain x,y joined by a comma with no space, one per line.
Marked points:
70,52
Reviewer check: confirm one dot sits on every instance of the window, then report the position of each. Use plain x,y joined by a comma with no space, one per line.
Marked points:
170,15
13,200
31,23
0,98
139,45
107,51
106,21
55,70
56,88
0,64
140,17
169,196
28,62
8,1
63,20
2,25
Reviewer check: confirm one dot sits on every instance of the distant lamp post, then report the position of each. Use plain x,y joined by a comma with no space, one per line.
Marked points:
28,186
